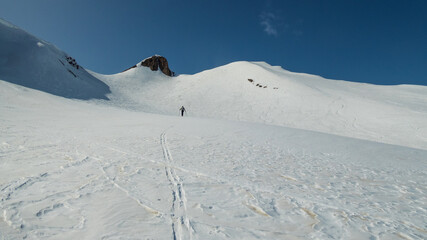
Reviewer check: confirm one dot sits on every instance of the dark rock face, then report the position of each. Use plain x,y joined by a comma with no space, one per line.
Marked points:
134,66
158,62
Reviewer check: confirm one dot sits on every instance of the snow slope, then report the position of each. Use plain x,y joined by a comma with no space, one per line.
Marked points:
231,169
388,114
73,169
34,63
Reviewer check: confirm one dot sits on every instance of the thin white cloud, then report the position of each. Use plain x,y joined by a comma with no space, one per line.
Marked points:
268,22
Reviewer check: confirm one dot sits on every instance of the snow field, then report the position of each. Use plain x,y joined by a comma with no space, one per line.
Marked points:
101,172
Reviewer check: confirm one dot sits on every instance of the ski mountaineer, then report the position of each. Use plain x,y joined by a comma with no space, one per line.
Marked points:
182,109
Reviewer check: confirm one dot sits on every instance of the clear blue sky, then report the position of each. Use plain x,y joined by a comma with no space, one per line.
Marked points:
382,42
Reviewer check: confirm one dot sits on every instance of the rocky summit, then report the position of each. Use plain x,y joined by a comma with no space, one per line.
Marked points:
158,62
155,63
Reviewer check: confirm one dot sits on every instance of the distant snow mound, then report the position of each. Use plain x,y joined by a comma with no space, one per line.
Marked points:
28,61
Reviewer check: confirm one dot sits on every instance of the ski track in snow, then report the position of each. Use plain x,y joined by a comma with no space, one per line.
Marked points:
128,194
181,225
14,199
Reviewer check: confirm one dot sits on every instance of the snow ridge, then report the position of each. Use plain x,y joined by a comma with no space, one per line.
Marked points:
31,62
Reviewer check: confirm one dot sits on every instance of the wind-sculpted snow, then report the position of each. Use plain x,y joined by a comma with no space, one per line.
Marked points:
76,170
36,64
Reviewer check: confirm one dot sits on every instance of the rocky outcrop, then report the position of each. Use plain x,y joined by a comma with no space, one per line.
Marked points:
134,66
158,62
72,62
155,63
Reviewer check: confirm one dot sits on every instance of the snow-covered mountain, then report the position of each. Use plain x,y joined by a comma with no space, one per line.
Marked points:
258,92
37,64
263,153
241,91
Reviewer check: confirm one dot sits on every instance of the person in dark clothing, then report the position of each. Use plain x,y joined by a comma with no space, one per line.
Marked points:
182,109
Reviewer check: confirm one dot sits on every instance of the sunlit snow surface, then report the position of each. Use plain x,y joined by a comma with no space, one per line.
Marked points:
263,153
76,170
